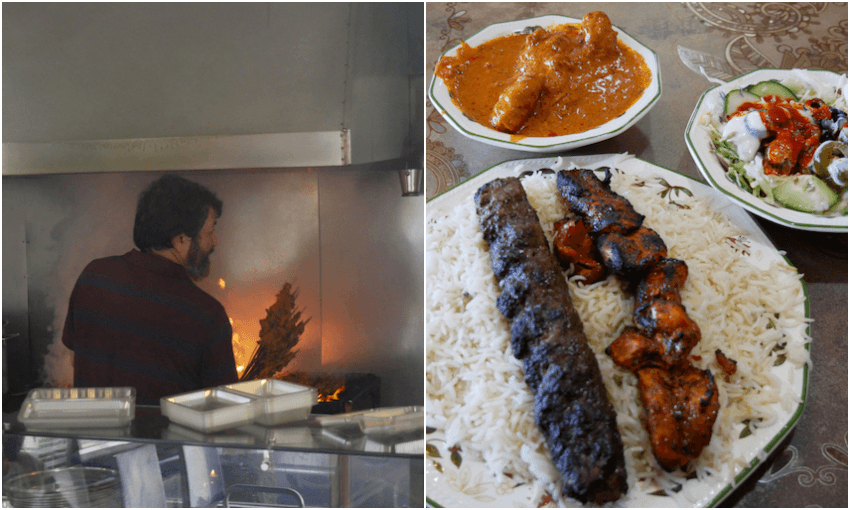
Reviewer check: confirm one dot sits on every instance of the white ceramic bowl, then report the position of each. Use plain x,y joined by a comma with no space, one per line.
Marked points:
699,144
439,96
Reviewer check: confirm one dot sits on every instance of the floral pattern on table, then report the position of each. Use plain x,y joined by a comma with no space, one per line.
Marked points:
790,463
749,26
445,168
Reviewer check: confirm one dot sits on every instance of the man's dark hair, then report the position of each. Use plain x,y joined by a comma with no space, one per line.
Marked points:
171,206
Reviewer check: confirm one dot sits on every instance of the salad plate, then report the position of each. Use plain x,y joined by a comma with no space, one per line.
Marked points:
456,479
698,137
439,95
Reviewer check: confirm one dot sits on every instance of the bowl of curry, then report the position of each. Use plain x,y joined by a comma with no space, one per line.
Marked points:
546,84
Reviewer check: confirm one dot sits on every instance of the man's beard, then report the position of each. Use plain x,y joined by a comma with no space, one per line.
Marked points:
198,263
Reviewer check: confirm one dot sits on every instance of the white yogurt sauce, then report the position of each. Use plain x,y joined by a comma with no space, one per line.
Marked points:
745,132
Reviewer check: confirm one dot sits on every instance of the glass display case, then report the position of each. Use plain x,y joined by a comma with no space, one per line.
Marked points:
153,462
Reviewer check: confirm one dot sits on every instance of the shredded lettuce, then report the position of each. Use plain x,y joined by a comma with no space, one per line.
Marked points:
735,170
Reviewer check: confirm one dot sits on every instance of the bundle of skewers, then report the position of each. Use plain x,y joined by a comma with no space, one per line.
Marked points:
280,331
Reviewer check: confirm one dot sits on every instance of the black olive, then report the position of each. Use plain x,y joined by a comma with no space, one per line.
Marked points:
831,127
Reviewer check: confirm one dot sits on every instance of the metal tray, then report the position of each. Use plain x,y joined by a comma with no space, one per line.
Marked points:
276,401
294,435
383,420
209,410
392,420
337,420
106,407
395,444
238,436
347,437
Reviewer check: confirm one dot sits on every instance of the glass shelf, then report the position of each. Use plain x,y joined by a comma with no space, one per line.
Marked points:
150,426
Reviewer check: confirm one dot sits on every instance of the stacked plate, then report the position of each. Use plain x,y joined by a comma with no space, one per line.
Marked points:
76,486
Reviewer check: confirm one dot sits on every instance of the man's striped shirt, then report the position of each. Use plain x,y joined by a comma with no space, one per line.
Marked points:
139,320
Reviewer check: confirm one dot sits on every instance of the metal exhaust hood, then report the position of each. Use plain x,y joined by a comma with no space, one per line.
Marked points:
278,150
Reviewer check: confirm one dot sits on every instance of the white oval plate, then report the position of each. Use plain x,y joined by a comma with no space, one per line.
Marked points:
439,96
471,485
701,148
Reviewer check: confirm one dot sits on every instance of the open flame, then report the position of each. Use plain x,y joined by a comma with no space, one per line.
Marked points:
221,283
243,345
333,397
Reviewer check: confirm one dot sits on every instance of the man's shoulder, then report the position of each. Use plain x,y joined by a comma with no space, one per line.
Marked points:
105,265
209,302
110,261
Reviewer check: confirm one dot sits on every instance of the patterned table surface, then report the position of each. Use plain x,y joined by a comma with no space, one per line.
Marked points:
810,467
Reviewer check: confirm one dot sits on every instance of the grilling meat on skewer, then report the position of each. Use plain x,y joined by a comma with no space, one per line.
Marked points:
631,255
570,402
665,334
602,210
681,407
573,245
681,400
662,281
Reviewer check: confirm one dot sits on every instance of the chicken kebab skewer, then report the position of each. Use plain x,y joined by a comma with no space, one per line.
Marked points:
681,401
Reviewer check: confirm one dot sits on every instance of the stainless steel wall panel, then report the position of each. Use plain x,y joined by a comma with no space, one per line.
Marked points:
372,281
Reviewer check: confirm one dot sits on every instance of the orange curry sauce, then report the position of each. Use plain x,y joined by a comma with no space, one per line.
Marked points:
560,81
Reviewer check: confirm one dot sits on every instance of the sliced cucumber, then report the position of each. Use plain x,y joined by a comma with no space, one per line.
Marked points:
736,98
772,88
805,193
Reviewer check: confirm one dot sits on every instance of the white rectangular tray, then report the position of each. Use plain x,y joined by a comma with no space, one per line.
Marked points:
392,420
106,407
383,420
276,401
209,410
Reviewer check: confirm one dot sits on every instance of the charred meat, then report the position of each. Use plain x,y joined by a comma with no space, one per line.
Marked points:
602,210
668,324
728,365
662,281
570,401
574,246
681,408
631,255
633,350
681,400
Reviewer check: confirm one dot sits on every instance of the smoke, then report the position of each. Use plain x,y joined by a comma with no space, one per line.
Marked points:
58,365
73,220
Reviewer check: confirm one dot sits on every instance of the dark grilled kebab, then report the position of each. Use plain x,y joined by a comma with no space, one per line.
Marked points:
681,401
570,401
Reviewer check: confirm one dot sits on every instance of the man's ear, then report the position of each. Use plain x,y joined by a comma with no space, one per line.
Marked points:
180,241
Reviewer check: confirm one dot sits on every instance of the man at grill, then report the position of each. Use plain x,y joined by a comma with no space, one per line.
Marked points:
139,319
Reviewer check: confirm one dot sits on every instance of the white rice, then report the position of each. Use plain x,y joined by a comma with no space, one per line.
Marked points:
475,387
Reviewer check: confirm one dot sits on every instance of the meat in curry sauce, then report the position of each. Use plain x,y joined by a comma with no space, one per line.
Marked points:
564,80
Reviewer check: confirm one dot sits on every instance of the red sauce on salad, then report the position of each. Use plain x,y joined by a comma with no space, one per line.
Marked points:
795,136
